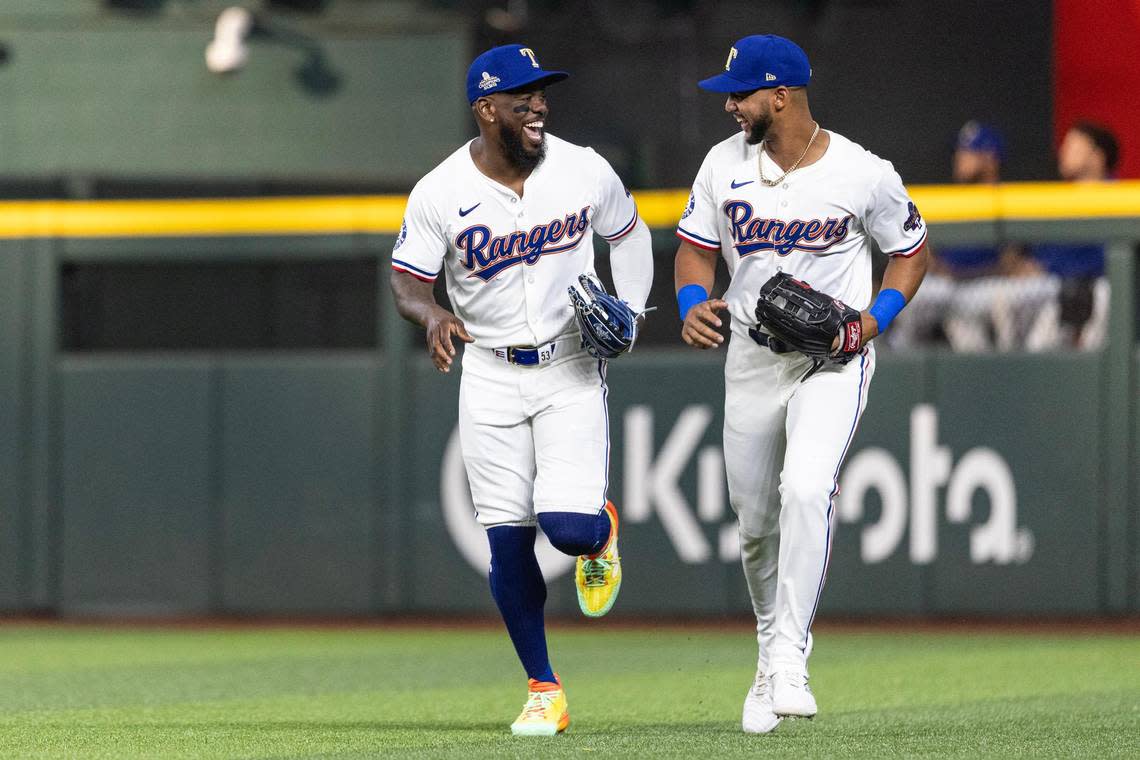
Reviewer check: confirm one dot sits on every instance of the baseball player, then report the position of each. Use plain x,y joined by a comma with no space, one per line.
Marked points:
509,220
782,198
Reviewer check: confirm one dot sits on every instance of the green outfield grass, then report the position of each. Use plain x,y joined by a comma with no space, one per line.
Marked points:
409,692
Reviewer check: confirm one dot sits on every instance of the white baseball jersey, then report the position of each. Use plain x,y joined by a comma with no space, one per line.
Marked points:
817,224
508,259
534,438
785,437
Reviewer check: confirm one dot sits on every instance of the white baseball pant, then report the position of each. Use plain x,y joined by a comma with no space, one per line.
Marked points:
784,443
534,439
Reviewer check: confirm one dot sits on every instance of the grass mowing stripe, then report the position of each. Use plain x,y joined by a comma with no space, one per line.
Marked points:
429,693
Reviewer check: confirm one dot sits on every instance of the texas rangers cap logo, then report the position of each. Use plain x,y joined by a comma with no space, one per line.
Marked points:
731,54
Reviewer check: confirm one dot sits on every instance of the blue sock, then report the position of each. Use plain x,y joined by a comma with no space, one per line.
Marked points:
575,534
520,591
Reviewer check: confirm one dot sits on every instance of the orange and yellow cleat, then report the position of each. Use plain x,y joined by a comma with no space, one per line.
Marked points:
545,713
598,577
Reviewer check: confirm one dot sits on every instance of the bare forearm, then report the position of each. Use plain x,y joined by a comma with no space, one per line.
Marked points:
699,321
416,303
905,274
694,267
415,300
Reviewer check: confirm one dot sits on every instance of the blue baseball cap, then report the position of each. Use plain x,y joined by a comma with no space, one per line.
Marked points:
761,61
981,138
505,68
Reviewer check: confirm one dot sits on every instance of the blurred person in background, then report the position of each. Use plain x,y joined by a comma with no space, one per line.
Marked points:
1049,295
978,154
939,313
1077,316
1089,152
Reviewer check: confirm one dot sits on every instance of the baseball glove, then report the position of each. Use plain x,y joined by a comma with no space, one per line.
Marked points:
608,325
796,317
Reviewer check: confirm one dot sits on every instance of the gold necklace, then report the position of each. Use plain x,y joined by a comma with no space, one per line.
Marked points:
760,161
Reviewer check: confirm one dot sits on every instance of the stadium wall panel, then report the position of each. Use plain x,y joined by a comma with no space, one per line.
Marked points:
329,482
1021,408
1011,526
297,491
1134,511
15,271
136,462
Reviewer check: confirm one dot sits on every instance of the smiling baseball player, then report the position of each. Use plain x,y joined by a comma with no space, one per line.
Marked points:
509,219
792,209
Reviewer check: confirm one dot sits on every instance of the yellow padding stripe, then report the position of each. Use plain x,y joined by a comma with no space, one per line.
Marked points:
1047,200
968,203
382,214
253,216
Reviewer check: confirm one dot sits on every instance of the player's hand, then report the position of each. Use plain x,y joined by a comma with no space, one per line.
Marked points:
870,330
440,329
701,323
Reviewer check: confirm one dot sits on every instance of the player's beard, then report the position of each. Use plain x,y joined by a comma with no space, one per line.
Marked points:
516,151
759,129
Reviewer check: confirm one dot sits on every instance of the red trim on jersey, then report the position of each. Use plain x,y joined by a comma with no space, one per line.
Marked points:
906,253
417,275
698,244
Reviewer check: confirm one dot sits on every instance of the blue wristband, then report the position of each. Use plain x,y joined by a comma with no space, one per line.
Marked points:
887,306
688,297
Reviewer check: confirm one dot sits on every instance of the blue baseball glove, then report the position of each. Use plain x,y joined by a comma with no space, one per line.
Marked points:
608,324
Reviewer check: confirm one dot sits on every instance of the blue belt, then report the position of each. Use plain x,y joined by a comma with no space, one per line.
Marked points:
528,356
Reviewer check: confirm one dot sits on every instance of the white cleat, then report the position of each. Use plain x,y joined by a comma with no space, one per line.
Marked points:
759,718
791,695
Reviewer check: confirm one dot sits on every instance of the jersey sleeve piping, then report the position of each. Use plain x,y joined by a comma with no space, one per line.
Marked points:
628,228
697,240
911,250
419,274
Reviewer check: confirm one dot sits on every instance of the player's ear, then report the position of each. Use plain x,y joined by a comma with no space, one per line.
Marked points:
484,110
781,97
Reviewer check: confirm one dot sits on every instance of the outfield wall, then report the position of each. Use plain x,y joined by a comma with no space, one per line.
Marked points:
328,482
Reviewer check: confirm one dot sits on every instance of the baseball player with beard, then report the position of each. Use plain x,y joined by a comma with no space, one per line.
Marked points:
509,220
784,196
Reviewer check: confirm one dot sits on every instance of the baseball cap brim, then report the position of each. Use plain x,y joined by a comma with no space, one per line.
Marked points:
725,82
541,76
